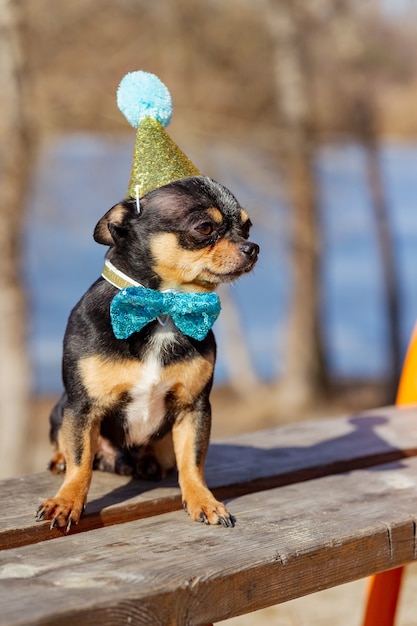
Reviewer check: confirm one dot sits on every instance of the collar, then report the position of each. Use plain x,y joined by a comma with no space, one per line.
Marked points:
120,280
117,278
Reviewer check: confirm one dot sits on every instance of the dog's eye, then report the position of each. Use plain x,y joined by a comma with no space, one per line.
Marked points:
205,229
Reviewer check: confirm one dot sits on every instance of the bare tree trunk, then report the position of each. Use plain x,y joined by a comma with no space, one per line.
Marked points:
388,267
305,372
369,137
350,36
14,168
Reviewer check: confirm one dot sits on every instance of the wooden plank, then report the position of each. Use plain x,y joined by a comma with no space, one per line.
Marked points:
169,570
245,464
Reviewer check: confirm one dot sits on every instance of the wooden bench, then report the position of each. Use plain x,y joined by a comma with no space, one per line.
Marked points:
317,504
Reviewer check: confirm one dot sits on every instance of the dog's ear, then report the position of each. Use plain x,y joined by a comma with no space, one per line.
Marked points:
113,226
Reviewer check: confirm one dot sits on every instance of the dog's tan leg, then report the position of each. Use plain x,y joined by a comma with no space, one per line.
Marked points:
78,450
190,445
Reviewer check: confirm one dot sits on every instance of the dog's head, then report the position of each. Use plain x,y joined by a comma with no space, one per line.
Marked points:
190,235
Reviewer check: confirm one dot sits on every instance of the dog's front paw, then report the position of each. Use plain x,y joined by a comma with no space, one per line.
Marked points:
208,510
62,513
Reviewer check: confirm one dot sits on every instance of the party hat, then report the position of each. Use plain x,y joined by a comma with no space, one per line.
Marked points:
157,160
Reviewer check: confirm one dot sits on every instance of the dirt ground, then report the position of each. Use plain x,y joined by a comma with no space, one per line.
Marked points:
232,414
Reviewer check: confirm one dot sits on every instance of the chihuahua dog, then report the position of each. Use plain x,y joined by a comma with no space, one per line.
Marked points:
140,405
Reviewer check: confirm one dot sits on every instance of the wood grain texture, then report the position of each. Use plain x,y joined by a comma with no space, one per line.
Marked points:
245,464
288,542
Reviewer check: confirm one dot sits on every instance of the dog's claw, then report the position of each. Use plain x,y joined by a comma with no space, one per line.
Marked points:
40,514
227,522
203,518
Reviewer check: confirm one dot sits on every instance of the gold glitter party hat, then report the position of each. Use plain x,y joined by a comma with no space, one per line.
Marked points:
157,160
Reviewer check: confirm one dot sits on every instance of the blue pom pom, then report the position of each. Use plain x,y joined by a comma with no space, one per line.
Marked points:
141,94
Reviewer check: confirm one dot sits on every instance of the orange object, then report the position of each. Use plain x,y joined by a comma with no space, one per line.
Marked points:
384,589
383,592
407,388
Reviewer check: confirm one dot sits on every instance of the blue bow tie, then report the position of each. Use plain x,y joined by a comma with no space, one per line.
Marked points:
135,307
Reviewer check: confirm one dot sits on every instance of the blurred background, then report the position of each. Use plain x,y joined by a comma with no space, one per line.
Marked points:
305,109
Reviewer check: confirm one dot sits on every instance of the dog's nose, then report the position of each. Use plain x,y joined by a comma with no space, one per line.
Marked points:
251,250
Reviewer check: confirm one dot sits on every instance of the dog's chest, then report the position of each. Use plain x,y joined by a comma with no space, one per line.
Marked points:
145,412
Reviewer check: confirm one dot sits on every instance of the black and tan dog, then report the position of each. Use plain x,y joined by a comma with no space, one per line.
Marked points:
139,405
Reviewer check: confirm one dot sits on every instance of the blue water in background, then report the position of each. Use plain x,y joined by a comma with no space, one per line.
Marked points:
79,177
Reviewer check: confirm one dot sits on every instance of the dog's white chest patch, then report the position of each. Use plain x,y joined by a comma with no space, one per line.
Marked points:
146,410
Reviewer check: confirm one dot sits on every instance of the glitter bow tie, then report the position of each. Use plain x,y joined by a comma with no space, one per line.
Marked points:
135,307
